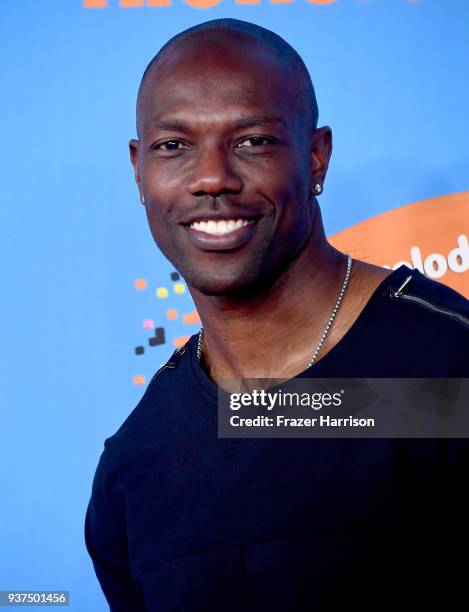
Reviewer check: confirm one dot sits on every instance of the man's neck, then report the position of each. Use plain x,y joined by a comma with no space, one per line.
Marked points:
274,333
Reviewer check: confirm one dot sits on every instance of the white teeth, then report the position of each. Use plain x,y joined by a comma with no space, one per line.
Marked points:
218,228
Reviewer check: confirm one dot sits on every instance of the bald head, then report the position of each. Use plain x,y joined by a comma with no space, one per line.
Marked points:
232,36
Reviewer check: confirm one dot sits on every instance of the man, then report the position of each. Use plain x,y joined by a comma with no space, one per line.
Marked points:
228,163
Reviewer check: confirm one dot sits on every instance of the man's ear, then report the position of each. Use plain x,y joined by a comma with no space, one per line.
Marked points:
321,151
134,146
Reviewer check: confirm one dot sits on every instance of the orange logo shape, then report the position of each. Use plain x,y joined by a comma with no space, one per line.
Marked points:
191,317
140,283
95,3
431,235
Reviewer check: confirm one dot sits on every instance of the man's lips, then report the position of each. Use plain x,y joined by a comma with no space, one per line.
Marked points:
221,215
216,234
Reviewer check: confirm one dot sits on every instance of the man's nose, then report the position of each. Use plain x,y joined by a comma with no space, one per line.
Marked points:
213,173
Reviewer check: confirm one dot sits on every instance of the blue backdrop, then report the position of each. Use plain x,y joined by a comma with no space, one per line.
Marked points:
391,81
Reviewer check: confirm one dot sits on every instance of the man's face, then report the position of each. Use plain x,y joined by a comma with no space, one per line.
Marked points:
224,164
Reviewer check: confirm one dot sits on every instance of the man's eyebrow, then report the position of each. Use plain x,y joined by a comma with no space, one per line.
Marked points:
180,125
170,124
254,120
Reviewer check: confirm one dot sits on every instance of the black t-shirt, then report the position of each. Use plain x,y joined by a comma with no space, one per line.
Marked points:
180,520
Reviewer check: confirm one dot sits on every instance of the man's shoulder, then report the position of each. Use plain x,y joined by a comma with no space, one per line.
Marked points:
421,326
412,327
426,301
153,412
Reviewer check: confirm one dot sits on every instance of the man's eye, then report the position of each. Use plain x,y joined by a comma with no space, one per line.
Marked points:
170,145
254,141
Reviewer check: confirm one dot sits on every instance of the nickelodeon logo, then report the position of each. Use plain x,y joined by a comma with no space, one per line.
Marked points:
201,4
430,236
436,265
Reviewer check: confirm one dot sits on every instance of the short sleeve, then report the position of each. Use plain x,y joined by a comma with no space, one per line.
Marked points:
106,541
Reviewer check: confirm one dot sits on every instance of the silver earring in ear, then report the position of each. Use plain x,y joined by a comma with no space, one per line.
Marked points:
142,198
317,189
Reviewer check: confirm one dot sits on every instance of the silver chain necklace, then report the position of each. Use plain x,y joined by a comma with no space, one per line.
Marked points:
326,329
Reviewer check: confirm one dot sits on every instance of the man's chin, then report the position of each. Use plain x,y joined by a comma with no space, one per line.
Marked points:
223,288
233,286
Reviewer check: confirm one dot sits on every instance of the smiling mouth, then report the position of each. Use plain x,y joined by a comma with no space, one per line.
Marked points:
220,228
221,234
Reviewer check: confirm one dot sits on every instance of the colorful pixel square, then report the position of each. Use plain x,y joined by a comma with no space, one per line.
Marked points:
191,317
131,3
140,283
94,3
